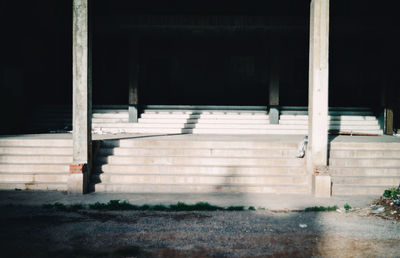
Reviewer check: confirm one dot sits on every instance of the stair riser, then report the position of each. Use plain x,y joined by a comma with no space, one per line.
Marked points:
333,122
365,154
199,144
204,131
392,181
36,159
33,168
364,163
157,179
203,121
34,186
203,161
337,118
342,190
34,151
202,189
365,171
201,170
199,152
365,146
35,143
24,178
111,115
206,116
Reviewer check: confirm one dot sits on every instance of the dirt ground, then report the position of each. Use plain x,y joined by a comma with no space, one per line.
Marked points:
38,232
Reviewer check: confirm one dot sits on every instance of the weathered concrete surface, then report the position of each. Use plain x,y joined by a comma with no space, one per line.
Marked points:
267,201
318,84
323,186
82,142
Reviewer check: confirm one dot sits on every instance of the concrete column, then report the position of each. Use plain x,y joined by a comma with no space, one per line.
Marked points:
274,81
133,82
318,84
82,140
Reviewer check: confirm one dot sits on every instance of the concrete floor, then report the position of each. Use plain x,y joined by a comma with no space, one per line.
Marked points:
267,201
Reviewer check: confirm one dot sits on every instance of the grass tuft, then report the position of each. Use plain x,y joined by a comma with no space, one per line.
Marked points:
322,208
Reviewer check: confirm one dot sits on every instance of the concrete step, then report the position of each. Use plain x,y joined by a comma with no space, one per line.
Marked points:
120,115
201,121
333,122
349,189
35,142
202,179
21,159
34,177
367,162
367,180
365,171
216,144
33,168
359,153
109,120
206,112
46,186
162,130
208,116
210,152
336,117
98,110
188,188
220,161
201,169
370,145
218,126
35,150
277,130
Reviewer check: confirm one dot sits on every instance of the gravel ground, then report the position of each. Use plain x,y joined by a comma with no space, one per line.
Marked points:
37,232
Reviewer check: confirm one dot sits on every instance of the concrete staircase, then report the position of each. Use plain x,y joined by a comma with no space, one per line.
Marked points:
231,120
34,163
363,168
190,166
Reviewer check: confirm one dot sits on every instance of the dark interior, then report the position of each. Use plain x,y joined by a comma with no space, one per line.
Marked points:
195,53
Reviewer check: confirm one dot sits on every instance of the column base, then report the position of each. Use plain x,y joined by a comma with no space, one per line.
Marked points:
133,113
274,115
322,186
78,179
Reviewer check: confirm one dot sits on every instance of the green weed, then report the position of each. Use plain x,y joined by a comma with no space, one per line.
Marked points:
347,207
322,208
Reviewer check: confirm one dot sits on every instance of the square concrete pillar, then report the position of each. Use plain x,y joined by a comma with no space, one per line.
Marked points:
81,117
318,85
133,81
274,80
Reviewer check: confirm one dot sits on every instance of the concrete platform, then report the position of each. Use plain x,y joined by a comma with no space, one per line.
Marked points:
267,201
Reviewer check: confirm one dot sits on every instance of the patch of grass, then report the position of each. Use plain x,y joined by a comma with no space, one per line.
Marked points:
117,205
347,207
114,205
322,208
235,208
159,207
200,206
